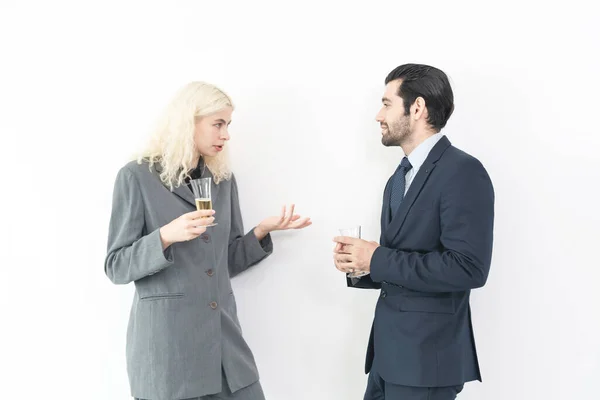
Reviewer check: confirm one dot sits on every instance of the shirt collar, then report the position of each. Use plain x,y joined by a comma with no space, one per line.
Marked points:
196,173
418,156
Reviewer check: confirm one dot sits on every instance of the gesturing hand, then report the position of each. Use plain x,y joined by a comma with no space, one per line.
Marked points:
282,222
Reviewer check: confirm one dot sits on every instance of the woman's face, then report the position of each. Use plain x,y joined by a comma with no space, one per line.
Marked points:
212,132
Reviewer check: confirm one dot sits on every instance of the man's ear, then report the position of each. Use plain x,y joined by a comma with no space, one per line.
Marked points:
419,109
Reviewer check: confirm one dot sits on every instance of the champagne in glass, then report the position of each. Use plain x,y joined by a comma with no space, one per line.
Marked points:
202,194
203,204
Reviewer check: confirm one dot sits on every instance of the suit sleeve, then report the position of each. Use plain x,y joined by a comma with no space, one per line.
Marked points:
131,255
466,221
244,250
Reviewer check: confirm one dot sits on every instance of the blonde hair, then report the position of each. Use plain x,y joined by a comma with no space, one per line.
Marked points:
172,141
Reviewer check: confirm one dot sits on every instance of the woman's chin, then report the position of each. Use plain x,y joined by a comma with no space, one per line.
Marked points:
212,152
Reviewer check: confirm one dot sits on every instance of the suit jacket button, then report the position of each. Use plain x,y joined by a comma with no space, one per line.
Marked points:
383,294
205,237
213,305
210,272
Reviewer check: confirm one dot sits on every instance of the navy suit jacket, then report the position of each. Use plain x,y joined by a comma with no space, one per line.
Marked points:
433,252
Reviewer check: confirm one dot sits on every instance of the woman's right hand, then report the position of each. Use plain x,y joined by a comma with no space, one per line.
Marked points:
187,227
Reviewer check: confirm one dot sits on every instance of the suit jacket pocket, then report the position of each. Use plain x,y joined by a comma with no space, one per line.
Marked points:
162,285
161,296
427,304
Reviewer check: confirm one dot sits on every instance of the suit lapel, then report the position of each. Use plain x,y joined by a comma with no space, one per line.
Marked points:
393,228
214,187
185,193
410,197
182,191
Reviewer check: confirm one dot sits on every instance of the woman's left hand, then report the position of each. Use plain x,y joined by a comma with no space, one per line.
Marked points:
282,222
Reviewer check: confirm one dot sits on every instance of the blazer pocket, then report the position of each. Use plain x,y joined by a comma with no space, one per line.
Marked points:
428,304
160,296
424,204
164,284
423,209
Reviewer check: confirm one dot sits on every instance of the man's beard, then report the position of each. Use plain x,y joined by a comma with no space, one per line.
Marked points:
397,133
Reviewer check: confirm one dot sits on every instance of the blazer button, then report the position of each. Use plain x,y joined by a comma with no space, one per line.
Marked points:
213,305
383,294
210,272
205,237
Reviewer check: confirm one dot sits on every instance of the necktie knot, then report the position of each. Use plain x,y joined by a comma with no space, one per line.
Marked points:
405,164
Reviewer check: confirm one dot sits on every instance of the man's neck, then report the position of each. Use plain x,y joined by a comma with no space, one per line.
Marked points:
415,140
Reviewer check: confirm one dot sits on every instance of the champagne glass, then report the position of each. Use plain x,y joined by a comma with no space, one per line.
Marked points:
202,194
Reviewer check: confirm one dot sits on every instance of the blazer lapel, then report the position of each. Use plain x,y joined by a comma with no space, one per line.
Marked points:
415,188
214,187
181,191
185,193
410,197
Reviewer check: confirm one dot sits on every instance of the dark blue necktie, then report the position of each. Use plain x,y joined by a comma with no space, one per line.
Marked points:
398,185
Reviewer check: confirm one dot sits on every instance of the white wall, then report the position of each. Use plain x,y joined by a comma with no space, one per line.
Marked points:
81,84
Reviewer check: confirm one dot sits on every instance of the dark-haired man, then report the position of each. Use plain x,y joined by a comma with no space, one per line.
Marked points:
435,246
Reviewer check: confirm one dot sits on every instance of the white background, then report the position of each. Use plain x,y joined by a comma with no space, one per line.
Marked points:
81,84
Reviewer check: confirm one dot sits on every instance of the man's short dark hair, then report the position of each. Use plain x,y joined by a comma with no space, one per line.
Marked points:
432,85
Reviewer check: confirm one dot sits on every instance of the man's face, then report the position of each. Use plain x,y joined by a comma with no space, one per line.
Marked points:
395,125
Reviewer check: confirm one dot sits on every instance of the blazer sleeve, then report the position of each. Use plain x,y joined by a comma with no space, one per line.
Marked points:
132,255
466,221
244,250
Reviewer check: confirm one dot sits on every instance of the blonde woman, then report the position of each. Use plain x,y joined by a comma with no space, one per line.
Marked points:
184,339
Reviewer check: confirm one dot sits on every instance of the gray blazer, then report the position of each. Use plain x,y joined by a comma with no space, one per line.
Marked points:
183,327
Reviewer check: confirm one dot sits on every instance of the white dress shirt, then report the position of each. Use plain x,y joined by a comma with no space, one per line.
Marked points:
418,156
